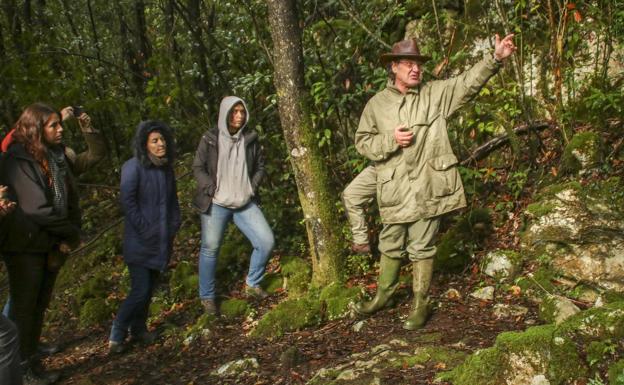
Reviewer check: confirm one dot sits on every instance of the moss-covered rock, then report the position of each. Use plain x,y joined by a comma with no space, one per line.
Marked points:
456,246
290,315
272,282
583,153
201,328
502,264
95,311
447,356
556,309
548,351
233,308
297,274
582,231
337,298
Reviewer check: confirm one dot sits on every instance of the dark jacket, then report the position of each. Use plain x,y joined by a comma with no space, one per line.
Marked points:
34,226
205,166
150,203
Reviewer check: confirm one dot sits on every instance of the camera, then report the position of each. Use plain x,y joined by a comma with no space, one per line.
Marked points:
78,110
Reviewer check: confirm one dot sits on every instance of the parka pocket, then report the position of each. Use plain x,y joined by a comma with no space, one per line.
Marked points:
444,178
387,188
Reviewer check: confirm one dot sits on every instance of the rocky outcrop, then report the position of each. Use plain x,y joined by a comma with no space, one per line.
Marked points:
581,229
547,354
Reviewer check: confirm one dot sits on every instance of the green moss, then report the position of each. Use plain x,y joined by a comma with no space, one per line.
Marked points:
585,145
539,209
183,281
337,299
540,282
612,296
595,324
483,368
297,273
200,327
540,346
551,190
272,282
290,315
95,311
233,308
616,373
450,357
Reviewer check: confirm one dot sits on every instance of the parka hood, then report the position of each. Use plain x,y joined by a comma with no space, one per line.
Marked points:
224,109
140,140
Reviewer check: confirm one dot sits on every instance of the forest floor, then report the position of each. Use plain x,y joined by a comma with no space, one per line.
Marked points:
462,323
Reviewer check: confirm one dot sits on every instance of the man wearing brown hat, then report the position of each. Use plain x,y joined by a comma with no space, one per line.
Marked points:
403,130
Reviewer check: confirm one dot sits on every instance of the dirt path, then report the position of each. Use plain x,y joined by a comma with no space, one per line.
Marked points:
465,324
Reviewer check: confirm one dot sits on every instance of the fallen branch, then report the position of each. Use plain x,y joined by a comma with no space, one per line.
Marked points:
484,150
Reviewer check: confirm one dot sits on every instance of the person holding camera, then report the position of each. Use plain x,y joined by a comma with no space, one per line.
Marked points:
46,221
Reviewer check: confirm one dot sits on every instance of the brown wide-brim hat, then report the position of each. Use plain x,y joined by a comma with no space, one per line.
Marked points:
404,49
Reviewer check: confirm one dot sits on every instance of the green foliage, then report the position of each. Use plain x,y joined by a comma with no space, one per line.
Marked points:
183,281
616,373
456,246
597,350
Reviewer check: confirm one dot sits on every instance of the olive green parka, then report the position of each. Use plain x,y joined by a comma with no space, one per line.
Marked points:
421,180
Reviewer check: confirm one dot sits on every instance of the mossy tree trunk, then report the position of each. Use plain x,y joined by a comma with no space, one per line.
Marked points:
311,176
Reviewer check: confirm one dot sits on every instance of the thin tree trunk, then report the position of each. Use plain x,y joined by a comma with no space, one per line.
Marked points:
311,175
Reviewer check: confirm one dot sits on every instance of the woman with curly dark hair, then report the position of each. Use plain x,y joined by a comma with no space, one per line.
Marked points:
152,218
45,223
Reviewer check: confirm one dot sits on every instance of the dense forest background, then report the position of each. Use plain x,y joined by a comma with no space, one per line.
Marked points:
173,60
552,116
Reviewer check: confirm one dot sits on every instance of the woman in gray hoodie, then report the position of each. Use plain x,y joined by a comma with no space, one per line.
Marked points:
228,166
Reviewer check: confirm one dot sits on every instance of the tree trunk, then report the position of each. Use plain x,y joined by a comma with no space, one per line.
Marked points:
311,176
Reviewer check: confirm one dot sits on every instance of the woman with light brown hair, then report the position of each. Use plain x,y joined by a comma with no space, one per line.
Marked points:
46,222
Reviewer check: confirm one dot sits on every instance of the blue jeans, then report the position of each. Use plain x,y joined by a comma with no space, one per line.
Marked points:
251,222
132,314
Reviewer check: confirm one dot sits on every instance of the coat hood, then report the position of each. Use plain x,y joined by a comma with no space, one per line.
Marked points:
224,110
140,140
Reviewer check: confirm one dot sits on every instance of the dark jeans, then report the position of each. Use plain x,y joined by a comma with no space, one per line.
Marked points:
10,369
31,285
132,314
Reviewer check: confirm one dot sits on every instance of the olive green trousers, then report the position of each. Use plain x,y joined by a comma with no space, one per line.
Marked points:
356,197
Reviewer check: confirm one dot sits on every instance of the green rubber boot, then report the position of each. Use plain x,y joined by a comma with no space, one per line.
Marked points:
387,282
422,271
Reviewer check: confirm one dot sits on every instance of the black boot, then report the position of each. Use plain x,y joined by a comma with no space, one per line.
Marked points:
34,374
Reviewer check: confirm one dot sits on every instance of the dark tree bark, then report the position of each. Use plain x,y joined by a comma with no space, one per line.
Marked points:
311,174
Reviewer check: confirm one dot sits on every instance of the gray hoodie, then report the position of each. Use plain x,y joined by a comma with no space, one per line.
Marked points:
233,186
